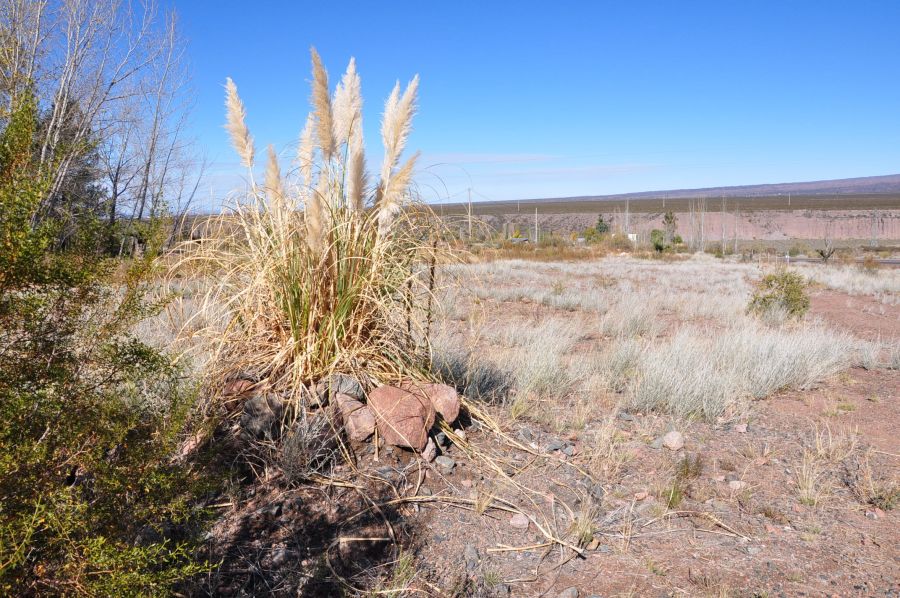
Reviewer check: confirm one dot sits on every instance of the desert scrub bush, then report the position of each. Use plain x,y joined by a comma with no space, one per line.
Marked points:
322,271
868,355
89,414
632,316
784,290
474,375
697,375
618,363
542,366
894,358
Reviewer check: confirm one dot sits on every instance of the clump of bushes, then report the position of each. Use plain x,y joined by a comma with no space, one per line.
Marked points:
784,291
90,500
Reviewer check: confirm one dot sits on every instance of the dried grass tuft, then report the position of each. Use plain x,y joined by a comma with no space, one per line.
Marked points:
300,280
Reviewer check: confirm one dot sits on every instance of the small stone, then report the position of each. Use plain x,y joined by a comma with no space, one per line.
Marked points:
657,444
237,387
359,421
569,593
625,416
594,543
740,428
261,417
441,439
279,556
871,515
445,463
673,440
555,445
461,434
597,492
752,550
429,453
526,435
737,485
569,450
604,549
344,384
466,483
519,521
719,478
641,495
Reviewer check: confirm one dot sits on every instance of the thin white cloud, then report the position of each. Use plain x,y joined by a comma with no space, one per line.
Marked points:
588,170
487,158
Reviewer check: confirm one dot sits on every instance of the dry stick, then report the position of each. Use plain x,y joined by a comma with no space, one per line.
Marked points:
431,278
498,504
708,516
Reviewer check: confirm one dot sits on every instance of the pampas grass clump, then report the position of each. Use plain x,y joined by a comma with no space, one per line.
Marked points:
320,271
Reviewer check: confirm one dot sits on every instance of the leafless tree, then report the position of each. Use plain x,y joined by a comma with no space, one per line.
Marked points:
111,79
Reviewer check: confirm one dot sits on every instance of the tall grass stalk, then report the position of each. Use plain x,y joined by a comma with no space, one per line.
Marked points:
319,272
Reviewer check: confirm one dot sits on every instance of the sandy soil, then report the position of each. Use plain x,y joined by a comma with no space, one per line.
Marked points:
738,528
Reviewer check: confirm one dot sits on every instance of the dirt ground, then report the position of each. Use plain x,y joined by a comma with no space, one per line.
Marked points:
528,510
739,530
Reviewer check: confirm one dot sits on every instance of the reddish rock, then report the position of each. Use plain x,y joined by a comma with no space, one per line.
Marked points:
403,418
443,398
519,521
237,387
359,421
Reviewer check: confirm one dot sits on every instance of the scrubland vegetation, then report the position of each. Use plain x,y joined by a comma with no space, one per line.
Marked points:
692,338
172,406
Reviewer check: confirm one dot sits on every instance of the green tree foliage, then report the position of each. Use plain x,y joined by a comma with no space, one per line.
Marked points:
602,226
89,414
658,240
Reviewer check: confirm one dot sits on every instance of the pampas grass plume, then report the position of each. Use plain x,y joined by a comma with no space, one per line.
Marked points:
235,124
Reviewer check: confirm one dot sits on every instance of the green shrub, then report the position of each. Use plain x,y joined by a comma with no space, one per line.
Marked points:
89,414
658,240
602,227
784,290
592,235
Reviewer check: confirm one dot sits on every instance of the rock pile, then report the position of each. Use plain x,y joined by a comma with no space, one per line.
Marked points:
403,415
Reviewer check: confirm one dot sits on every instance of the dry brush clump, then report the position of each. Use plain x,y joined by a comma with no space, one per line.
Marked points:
323,270
695,374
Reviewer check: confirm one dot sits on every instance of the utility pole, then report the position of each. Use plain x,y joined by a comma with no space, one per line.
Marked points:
535,225
737,215
627,218
723,225
470,214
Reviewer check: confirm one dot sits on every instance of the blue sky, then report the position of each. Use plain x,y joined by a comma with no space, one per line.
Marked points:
539,99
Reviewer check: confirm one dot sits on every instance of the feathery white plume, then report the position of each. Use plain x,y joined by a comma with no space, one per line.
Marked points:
306,151
396,125
321,101
347,106
236,125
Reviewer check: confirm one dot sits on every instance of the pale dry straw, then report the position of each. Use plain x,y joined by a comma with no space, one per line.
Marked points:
303,279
